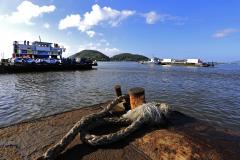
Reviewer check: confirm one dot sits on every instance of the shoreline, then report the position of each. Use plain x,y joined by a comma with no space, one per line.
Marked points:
184,138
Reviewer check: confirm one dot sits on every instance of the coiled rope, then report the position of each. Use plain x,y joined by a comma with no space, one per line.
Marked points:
150,113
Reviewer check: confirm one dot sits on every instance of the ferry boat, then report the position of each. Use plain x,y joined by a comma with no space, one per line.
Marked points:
41,56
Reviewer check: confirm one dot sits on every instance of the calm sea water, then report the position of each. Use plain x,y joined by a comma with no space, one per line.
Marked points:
209,94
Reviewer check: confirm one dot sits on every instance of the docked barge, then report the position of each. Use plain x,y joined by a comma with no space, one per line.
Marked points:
41,56
179,62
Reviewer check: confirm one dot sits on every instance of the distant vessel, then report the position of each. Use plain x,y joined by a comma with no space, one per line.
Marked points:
153,60
187,62
41,56
184,62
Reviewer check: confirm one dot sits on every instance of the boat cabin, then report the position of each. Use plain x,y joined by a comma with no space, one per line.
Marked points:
37,50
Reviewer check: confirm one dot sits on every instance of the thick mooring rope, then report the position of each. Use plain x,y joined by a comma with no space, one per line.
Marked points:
54,151
150,113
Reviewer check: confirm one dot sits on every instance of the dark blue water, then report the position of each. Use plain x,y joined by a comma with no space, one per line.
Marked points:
210,94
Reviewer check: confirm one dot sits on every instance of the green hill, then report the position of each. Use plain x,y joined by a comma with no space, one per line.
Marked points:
92,54
96,55
129,57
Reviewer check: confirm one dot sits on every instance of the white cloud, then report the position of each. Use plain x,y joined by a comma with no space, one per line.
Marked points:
46,25
95,17
26,11
111,51
90,33
107,14
225,32
153,17
72,20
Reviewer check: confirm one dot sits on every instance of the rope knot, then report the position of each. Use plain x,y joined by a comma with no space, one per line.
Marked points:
152,112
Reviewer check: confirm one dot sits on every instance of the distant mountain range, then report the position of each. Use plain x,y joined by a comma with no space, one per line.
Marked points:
96,55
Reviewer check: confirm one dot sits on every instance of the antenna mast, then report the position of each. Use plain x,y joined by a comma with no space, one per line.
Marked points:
2,55
39,38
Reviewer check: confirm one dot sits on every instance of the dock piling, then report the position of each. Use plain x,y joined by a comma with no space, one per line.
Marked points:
118,90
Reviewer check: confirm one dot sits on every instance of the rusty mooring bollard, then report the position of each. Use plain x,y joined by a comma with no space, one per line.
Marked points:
126,103
118,90
137,96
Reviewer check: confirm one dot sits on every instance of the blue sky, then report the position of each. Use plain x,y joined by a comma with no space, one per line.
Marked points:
204,29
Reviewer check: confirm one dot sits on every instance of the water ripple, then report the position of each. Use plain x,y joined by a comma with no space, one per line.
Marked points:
210,94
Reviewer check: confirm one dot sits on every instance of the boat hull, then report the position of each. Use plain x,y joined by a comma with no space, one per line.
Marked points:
189,64
42,68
